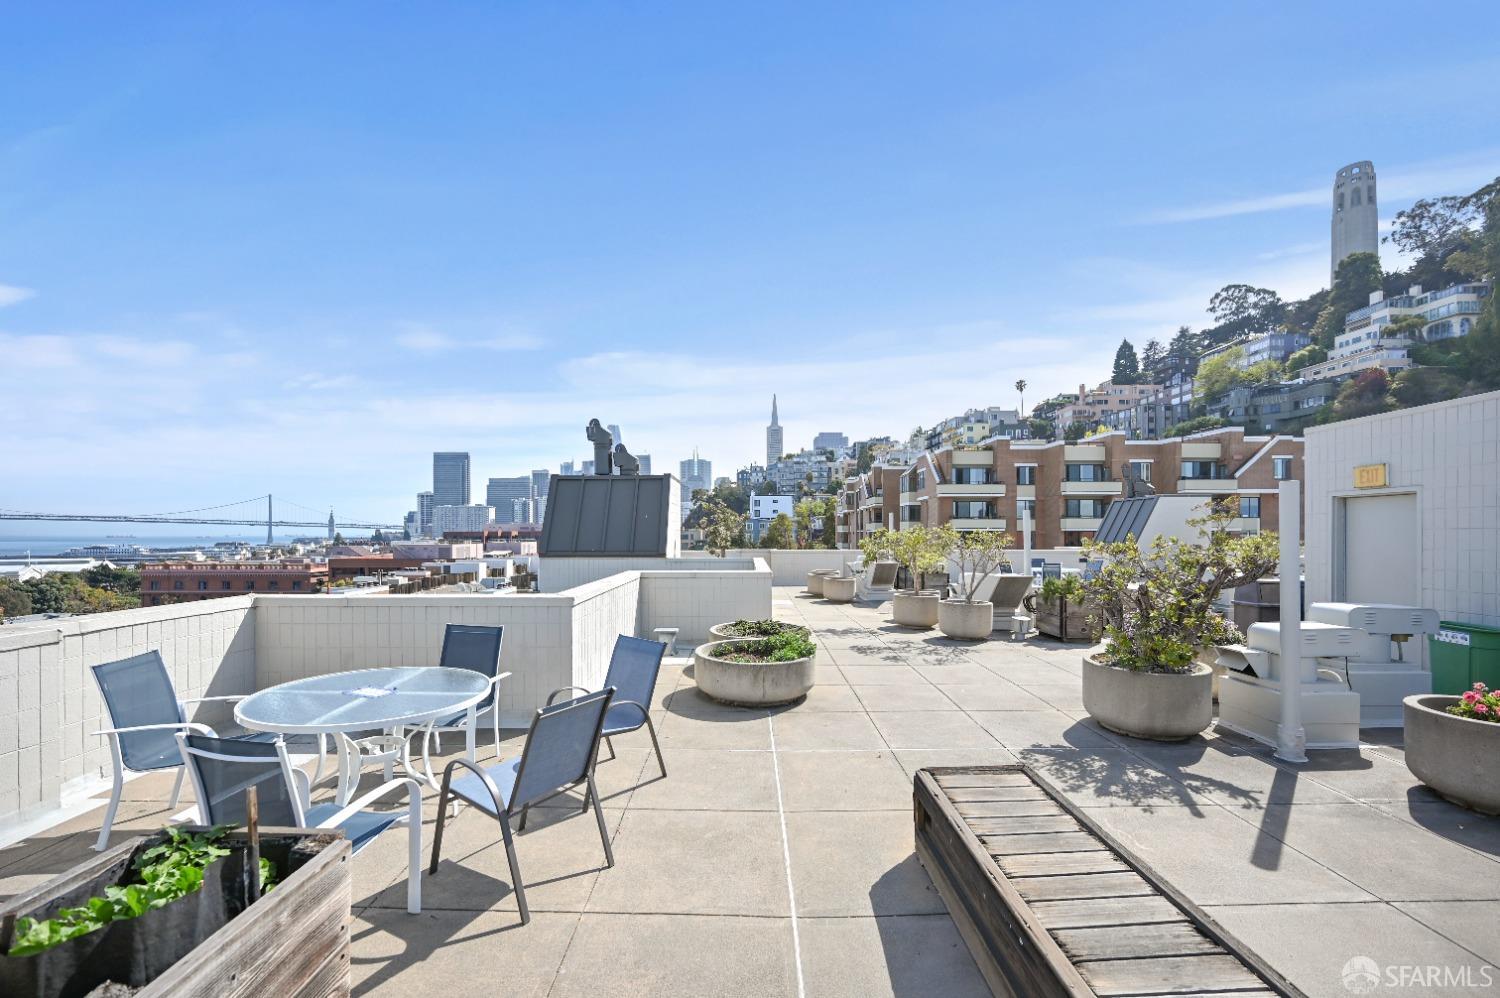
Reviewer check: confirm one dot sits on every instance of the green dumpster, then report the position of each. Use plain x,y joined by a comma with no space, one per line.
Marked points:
1462,655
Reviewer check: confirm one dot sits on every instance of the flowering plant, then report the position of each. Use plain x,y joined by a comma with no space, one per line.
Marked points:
1479,704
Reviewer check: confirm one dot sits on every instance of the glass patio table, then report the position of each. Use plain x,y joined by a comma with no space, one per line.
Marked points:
388,700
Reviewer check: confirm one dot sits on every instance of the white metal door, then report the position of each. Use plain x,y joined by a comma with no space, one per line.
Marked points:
1381,550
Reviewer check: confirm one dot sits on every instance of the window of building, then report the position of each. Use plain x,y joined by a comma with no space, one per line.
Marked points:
273,584
973,476
1370,194
1281,468
969,510
1250,507
177,584
1354,198
224,584
921,479
296,585
1202,470
1086,473
1027,506
1025,474
1086,508
249,583
203,584
1142,470
155,585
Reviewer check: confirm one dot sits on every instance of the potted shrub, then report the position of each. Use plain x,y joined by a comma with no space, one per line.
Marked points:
920,550
878,549
754,629
1156,607
979,555
756,672
187,911
1452,744
1058,610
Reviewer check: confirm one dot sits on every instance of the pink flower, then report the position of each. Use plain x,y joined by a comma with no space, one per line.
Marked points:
1471,697
1481,708
1479,688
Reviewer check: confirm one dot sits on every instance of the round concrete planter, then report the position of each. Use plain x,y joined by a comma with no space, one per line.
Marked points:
1455,756
815,580
910,609
971,621
1163,706
839,588
748,684
721,632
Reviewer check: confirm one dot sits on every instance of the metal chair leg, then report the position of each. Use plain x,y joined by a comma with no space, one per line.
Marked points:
651,729
437,836
611,744
109,812
176,787
609,854
515,867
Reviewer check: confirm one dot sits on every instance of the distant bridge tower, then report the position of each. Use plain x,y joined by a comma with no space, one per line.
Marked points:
270,533
1356,222
331,531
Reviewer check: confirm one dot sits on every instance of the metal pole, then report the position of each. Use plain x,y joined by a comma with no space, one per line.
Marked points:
1025,540
1291,739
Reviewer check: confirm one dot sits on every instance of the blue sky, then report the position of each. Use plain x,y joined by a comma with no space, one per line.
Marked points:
297,249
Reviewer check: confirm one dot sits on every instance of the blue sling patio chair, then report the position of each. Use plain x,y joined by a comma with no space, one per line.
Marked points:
561,748
224,768
633,667
476,648
145,714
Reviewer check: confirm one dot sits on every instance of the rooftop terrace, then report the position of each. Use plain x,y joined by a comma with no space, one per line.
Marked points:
777,857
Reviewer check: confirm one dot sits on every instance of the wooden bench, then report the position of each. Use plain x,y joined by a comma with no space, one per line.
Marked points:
1049,904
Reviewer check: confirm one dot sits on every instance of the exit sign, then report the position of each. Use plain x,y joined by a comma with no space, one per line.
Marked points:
1369,476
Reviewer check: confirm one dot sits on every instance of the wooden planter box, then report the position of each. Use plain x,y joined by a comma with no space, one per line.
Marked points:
1050,906
1057,618
294,941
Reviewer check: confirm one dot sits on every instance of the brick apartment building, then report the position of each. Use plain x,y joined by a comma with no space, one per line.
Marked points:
1068,486
176,582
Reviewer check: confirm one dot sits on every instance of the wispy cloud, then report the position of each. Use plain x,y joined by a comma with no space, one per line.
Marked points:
1296,249
10,294
425,339
1428,178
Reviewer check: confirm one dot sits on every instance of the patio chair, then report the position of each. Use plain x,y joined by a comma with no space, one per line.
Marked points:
144,715
476,648
633,667
561,748
224,768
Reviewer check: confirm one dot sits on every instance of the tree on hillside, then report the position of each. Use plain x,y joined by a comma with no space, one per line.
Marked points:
1183,351
766,488
1302,315
1362,395
1244,310
779,533
864,459
1219,374
1021,391
1076,431
1127,366
1306,357
1154,362
1358,275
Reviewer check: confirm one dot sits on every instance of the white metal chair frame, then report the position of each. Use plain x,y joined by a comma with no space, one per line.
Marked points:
432,734
301,788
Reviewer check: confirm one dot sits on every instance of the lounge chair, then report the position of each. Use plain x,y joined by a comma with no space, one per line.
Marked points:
560,752
144,716
224,768
877,582
633,668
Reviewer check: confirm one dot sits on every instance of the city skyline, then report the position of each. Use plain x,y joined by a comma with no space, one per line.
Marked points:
264,292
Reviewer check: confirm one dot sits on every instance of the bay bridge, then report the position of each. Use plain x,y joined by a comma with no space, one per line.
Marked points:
235,514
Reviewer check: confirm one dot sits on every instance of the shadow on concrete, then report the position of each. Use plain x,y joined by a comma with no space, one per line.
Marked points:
1161,779
924,954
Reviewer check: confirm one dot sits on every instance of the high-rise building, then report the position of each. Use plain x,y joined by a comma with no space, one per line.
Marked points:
836,442
773,437
696,474
588,468
462,519
504,494
541,481
450,478
614,432
645,460
566,468
1356,223
424,513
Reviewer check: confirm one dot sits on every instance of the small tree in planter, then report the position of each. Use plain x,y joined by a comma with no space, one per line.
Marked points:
979,555
920,550
879,546
1156,608
725,528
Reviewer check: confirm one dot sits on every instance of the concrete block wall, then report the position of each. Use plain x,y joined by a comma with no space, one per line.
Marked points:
788,567
50,705
602,611
559,575
693,600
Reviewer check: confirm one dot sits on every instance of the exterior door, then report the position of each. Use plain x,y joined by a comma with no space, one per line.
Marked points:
1381,554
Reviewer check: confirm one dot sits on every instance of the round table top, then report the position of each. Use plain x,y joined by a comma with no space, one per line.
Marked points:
362,700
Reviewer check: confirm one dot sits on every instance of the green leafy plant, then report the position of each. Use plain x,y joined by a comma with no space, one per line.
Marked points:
979,554
785,647
167,871
761,628
1068,587
1479,704
920,550
879,546
1157,605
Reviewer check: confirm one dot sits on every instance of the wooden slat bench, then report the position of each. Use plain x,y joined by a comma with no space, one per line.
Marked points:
1050,904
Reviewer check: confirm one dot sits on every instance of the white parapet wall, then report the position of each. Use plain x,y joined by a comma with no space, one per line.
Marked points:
50,706
560,574
788,567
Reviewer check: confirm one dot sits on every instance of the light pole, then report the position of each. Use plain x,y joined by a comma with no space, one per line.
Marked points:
1291,738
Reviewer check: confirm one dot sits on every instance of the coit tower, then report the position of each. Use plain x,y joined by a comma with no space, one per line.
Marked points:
1356,223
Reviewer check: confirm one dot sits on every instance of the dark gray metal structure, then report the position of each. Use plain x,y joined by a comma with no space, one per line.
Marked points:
603,442
590,516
